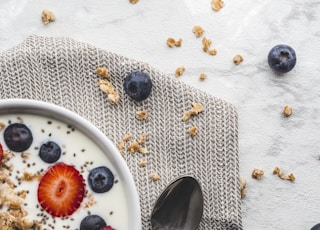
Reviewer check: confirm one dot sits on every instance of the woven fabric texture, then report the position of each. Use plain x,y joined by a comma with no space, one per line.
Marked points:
62,71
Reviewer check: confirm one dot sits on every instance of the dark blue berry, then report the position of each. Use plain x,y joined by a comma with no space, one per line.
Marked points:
92,222
17,137
316,227
138,85
282,58
50,152
100,179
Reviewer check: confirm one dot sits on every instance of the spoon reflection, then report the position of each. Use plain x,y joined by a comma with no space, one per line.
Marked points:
179,207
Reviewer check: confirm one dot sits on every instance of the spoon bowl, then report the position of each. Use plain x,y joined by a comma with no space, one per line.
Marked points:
179,207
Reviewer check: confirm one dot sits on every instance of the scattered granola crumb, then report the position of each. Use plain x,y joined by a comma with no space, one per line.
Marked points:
287,111
10,183
142,114
133,147
143,164
193,131
121,146
22,193
179,71
212,52
133,1
103,72
143,150
91,201
198,31
291,177
2,126
127,137
217,4
171,42
195,110
243,184
206,44
178,43
107,88
25,155
27,176
237,59
197,107
257,173
7,166
143,138
155,177
121,143
47,16
3,176
202,76
276,170
282,175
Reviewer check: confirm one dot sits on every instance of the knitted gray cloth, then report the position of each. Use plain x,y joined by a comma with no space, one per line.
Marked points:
62,71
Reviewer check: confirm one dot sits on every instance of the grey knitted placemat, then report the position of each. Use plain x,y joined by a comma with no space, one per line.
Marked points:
62,71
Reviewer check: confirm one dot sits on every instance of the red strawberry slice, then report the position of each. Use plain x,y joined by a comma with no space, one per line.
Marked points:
1,152
107,228
61,190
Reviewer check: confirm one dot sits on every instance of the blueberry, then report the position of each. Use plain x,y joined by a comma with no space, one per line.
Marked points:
50,152
100,179
138,85
316,227
18,137
92,222
282,58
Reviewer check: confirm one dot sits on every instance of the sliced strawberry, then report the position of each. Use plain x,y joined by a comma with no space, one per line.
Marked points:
1,152
107,228
61,190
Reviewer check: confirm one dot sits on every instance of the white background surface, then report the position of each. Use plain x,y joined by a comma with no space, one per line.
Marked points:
250,28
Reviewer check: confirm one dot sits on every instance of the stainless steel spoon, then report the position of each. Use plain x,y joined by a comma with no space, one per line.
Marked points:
179,207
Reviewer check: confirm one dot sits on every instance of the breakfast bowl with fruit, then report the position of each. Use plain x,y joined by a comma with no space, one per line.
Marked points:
59,171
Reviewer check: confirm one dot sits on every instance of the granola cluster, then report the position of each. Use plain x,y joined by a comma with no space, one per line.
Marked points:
133,1
47,16
103,72
206,44
287,111
195,110
105,86
13,200
282,175
237,59
203,76
136,146
257,173
217,4
193,131
171,42
142,114
243,184
198,31
179,71
154,177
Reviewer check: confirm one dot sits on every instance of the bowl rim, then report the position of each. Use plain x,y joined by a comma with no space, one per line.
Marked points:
53,111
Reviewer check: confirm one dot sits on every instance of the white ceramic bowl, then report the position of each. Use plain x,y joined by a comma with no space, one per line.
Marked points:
51,111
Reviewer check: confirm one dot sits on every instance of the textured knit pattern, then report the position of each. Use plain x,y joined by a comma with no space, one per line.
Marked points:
62,71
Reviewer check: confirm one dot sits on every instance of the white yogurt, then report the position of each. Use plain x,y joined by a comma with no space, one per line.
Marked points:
78,150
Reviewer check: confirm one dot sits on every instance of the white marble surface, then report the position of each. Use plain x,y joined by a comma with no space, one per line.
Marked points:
250,28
